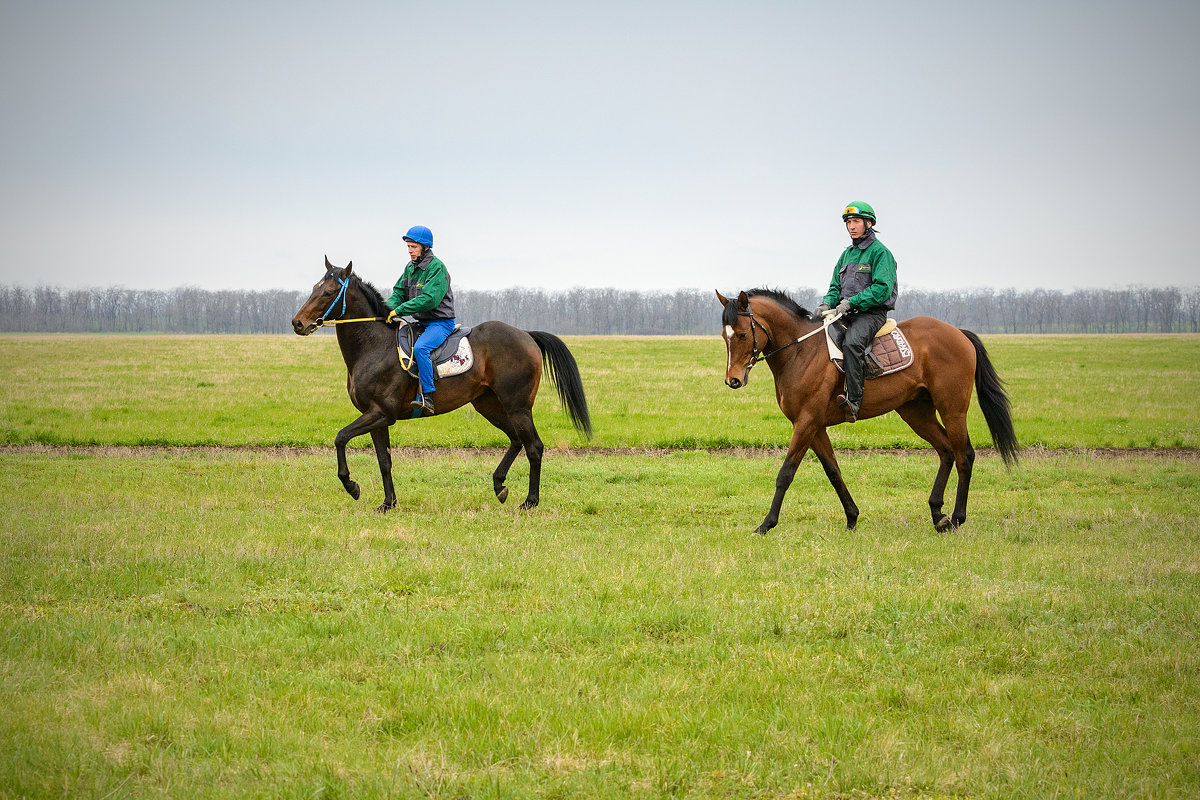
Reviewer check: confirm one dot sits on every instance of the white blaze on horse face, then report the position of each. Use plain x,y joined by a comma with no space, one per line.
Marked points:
728,349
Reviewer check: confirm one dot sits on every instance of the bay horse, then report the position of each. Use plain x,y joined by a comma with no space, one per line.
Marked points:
768,325
501,384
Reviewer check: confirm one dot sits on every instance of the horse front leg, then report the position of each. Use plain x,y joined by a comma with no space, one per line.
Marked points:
796,450
364,424
382,439
824,450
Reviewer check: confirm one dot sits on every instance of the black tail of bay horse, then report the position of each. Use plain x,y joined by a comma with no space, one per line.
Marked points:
502,384
993,402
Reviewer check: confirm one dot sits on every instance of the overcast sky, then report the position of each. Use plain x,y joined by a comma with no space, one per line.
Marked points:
653,145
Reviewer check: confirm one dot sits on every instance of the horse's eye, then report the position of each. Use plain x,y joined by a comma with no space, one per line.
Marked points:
741,336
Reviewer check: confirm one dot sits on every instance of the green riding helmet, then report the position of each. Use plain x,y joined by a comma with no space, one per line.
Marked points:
857,209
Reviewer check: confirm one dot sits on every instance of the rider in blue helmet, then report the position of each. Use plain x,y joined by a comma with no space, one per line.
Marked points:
424,293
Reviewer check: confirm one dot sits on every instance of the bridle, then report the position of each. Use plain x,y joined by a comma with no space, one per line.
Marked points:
341,295
757,356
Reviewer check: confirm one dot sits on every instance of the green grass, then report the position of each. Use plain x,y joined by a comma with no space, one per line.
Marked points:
229,625
1067,391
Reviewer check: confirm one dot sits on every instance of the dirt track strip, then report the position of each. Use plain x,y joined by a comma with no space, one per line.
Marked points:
146,451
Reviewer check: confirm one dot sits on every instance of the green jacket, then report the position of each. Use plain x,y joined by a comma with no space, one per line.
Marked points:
865,275
423,291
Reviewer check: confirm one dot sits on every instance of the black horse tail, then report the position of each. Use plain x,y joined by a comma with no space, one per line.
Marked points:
993,401
564,372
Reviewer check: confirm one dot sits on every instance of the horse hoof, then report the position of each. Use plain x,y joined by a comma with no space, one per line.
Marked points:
761,530
528,504
944,524
353,490
502,493
386,507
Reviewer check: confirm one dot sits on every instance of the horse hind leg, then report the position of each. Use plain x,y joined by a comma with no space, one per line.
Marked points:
964,461
523,422
921,417
501,472
489,407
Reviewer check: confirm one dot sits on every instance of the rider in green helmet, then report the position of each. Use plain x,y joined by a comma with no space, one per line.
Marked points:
863,290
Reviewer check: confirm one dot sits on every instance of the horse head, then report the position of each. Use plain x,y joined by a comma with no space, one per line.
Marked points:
328,299
739,333
754,326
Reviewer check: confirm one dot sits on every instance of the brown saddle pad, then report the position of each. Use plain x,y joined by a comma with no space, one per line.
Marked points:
889,353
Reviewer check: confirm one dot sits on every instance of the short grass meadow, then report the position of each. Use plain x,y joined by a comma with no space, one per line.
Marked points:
228,623
1067,391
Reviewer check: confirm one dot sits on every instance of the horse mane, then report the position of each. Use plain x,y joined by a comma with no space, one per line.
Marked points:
374,298
784,299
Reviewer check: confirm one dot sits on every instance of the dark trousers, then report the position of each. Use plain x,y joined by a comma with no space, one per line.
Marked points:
861,328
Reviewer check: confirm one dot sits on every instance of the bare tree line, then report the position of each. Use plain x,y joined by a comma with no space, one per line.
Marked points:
1134,309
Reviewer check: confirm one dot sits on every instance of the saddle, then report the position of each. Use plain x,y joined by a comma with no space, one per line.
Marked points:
453,357
889,352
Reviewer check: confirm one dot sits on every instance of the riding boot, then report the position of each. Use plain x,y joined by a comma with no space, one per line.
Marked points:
860,330
423,403
851,410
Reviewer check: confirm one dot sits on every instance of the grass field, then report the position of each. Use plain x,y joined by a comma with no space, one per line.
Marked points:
1067,391
230,624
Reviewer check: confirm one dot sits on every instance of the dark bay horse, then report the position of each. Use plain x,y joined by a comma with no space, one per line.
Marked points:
502,383
764,325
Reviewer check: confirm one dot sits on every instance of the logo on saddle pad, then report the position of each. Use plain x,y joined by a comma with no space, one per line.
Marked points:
889,352
453,357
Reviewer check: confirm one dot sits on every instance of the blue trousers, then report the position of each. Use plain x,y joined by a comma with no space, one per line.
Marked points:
436,331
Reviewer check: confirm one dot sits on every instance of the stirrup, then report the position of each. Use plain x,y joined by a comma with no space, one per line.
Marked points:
851,411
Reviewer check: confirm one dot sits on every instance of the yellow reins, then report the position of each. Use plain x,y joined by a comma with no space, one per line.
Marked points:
323,322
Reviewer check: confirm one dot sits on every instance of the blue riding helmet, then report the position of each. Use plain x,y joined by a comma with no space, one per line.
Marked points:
419,234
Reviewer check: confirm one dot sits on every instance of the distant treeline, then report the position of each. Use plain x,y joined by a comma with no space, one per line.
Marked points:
592,311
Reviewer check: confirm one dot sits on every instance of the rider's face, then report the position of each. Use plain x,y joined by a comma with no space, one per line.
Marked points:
414,250
856,227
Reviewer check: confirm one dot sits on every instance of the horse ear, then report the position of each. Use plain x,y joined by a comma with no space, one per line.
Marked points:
327,264
349,268
743,302
724,300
